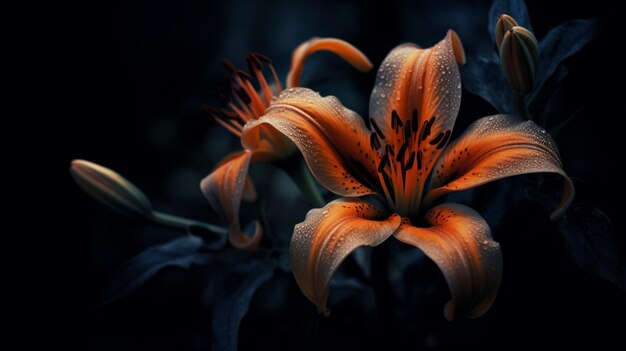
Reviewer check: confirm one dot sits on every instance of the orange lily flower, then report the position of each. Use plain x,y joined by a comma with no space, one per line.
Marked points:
404,163
229,183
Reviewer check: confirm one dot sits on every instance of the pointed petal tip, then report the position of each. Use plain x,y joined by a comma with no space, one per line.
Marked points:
76,162
457,47
566,200
243,242
448,311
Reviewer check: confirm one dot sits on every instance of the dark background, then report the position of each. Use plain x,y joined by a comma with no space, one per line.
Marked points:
122,83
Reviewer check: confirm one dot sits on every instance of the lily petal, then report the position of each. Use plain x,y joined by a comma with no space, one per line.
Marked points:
425,80
268,144
344,49
493,148
333,139
460,243
330,234
224,188
249,190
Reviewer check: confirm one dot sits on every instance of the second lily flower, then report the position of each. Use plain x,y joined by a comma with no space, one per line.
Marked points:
243,104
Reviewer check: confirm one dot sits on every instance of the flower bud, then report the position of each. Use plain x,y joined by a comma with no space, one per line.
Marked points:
111,189
504,24
519,56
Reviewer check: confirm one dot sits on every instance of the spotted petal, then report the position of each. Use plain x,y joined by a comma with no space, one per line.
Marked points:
224,188
425,80
459,242
330,234
496,147
333,139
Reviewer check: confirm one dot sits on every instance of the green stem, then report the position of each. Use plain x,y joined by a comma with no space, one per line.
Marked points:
299,173
184,224
520,106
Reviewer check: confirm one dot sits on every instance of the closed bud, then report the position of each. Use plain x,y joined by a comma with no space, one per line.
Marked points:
504,24
519,56
111,189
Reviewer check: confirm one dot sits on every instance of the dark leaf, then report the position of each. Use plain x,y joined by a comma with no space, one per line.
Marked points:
237,276
514,8
483,77
561,43
543,95
587,233
181,252
558,129
350,291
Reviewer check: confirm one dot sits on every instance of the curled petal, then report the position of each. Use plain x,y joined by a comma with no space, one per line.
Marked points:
268,144
460,243
333,139
493,148
330,234
344,49
249,191
224,188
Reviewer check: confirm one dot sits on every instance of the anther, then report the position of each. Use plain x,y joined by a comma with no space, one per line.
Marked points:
376,128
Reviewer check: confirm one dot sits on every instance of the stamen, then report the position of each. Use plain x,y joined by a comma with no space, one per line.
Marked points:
268,61
228,127
213,113
419,160
228,114
242,95
395,120
243,75
253,62
383,163
262,57
401,152
437,139
407,131
426,129
230,68
388,187
389,149
376,128
410,162
256,69
443,141
374,142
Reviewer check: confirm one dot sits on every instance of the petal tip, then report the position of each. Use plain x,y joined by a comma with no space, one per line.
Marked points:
566,200
243,242
457,47
448,311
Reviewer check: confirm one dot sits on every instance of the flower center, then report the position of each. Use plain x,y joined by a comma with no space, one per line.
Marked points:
401,170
